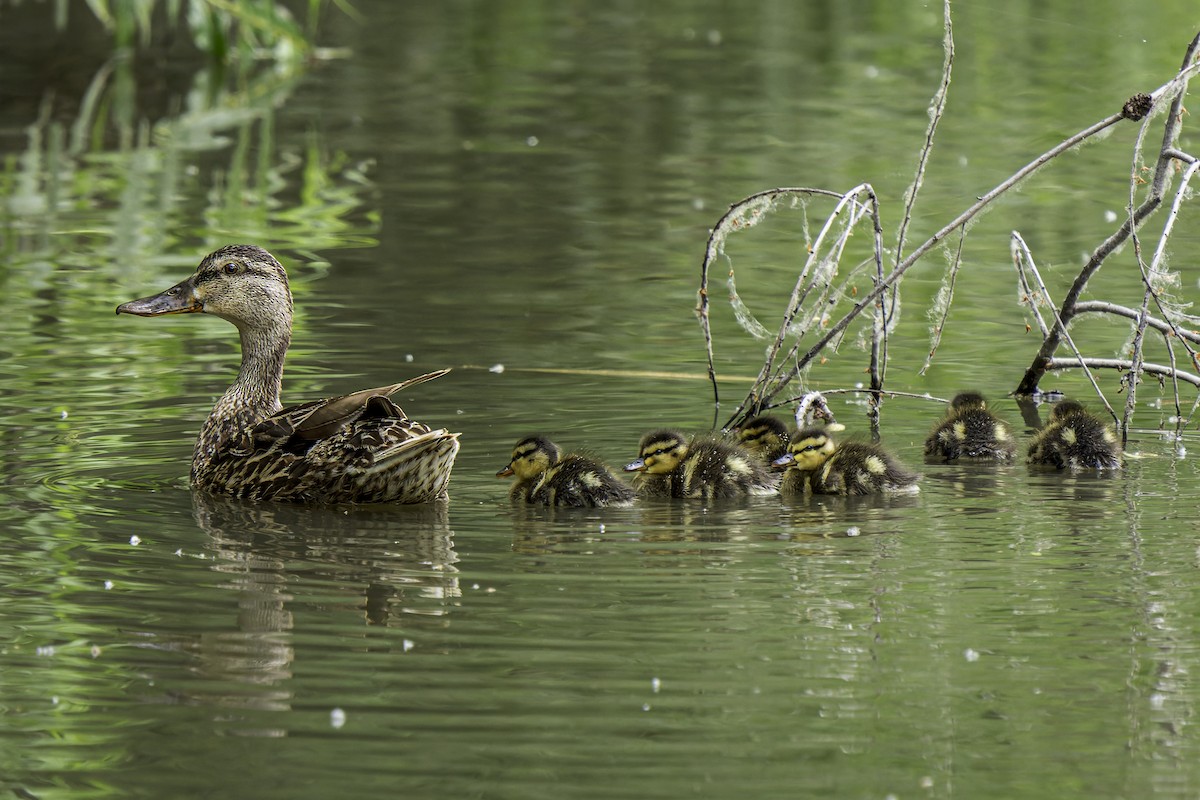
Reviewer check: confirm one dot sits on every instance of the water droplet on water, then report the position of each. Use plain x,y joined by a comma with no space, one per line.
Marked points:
971,655
337,718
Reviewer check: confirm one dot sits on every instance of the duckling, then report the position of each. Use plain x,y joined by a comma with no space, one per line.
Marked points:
815,460
1075,438
546,477
969,430
763,436
671,465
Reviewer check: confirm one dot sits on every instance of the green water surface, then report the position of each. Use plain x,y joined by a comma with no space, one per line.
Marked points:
530,186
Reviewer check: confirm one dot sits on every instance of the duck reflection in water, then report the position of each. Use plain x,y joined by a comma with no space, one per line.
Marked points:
384,560
402,555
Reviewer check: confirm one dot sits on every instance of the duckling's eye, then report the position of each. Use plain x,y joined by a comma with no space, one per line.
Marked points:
230,268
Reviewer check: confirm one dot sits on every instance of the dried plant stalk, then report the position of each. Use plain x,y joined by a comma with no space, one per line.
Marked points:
822,285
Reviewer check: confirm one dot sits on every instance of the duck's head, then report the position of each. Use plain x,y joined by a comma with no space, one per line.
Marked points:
531,457
762,434
240,282
659,452
1065,408
807,451
967,400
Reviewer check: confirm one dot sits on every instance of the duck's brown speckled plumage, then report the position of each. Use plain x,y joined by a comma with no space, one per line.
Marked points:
356,448
546,477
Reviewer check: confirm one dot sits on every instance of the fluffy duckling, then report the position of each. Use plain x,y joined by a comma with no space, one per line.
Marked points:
671,465
763,436
969,430
1075,438
546,477
826,467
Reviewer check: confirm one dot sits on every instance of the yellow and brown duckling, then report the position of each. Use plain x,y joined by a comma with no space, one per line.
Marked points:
764,436
1075,438
673,465
816,461
544,476
970,430
357,448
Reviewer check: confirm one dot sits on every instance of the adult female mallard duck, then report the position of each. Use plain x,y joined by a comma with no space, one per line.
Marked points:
672,465
826,467
1075,438
357,448
970,430
544,476
764,436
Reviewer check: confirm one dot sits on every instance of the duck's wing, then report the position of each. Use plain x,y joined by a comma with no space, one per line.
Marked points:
310,422
414,467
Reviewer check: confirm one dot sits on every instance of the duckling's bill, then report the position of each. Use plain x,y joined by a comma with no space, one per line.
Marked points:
636,466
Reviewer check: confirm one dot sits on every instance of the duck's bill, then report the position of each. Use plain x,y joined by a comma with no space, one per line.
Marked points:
783,462
506,472
636,466
179,299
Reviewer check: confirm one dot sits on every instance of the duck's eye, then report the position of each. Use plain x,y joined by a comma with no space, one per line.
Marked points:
230,268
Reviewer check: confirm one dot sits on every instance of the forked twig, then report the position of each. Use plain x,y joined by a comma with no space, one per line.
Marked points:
819,288
1175,88
1044,292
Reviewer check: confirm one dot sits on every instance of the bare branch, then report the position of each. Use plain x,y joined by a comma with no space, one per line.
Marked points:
1102,307
1041,287
1175,88
1121,364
